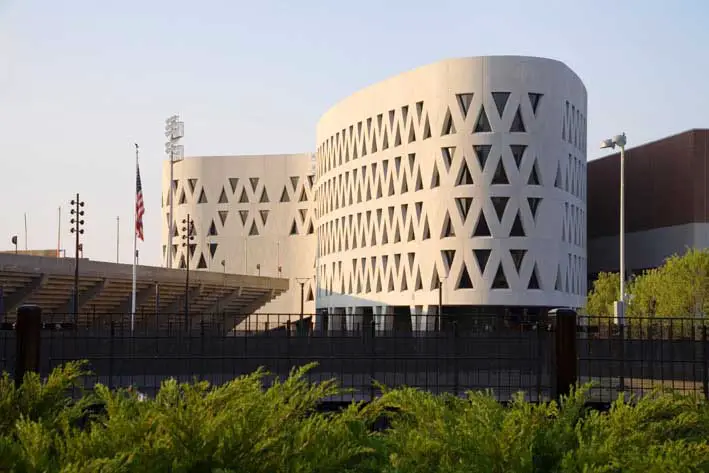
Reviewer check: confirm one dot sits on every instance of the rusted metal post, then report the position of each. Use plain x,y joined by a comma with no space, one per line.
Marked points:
29,324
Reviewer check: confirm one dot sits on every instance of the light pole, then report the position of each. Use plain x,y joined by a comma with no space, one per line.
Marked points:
187,238
77,222
620,141
174,130
302,282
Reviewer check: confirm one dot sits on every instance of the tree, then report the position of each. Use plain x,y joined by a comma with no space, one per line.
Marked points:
604,292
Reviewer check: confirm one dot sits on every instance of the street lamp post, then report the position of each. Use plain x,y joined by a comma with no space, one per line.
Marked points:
187,238
77,223
174,130
620,141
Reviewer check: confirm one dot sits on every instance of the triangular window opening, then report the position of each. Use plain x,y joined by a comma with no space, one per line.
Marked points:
419,182
448,257
482,152
293,228
436,178
426,130
404,284
464,101
448,153
385,141
243,198
518,153
182,197
464,281
294,182
448,125
558,182
264,197
378,286
426,230
264,215
465,178
284,195
193,248
447,227
518,123
233,182
202,264
534,279
534,101
174,230
412,235
435,279
517,229
464,204
244,214
390,285
391,187
482,124
500,281
397,235
419,283
534,176
404,186
481,227
311,230
254,183
303,196
385,236
500,99
557,283
533,205
309,297
192,183
482,257
517,258
183,265
202,197
500,176
223,198
212,229
254,230
397,137
500,204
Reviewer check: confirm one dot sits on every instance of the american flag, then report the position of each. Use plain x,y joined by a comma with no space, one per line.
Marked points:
139,208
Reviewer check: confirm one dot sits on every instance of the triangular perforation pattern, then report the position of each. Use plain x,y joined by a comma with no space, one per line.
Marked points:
518,153
482,124
464,281
481,227
499,203
481,258
448,125
500,99
500,280
464,101
223,199
518,123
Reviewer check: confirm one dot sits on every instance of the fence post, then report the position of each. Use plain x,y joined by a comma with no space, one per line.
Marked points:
705,355
111,354
29,323
565,351
456,355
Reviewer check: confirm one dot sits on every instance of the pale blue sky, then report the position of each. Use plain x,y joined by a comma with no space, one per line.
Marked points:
81,80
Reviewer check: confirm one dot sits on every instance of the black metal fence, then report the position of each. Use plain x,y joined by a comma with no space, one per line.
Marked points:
467,353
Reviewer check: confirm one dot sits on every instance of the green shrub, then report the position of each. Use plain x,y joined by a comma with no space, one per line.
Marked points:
243,427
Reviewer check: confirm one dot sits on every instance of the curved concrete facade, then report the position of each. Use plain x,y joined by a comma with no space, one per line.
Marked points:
254,213
469,172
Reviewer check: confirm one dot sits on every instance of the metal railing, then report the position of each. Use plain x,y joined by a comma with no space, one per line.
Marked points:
451,354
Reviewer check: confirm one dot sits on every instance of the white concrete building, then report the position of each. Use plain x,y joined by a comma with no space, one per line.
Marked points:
253,215
469,173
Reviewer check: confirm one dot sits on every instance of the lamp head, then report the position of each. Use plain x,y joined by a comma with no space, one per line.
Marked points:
619,140
607,144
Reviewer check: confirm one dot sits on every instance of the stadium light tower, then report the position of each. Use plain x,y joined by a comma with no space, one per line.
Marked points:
620,141
174,131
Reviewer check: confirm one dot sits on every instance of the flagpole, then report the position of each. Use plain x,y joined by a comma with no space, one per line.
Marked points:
135,244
